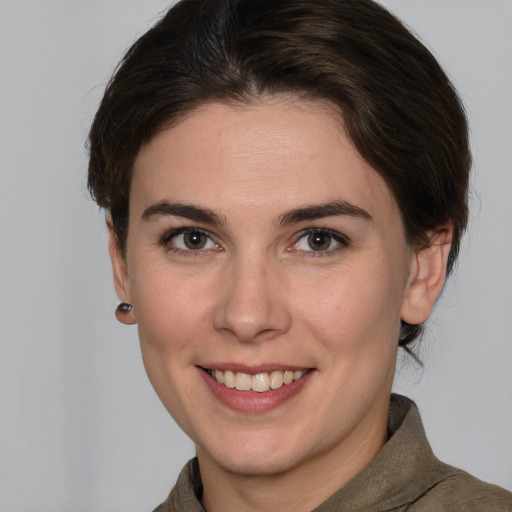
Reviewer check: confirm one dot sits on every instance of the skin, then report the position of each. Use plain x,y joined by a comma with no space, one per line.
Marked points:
257,294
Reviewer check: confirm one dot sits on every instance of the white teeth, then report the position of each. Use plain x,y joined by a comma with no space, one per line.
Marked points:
288,377
243,381
276,380
229,378
261,382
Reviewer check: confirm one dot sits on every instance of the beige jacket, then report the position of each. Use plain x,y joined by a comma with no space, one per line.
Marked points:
404,476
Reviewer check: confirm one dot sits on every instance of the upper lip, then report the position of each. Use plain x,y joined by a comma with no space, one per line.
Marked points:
253,369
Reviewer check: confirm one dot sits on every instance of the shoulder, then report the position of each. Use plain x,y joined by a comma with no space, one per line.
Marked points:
186,493
426,483
164,507
458,490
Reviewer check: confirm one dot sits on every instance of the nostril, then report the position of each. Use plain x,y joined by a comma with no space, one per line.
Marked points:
250,307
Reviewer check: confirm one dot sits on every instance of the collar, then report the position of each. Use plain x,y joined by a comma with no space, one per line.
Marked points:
402,471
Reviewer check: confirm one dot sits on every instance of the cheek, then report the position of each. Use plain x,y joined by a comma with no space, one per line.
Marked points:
354,308
173,322
172,310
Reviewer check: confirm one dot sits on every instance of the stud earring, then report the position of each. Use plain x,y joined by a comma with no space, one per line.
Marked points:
122,313
124,307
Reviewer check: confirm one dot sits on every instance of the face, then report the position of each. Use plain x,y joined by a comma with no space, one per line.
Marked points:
267,264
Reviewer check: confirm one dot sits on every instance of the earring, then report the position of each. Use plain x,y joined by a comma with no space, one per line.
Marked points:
122,313
124,308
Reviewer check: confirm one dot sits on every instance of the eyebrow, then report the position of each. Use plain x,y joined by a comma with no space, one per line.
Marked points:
188,211
319,211
301,214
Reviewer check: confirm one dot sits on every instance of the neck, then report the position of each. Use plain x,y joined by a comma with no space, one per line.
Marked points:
316,479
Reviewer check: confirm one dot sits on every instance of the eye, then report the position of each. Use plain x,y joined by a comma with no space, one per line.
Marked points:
320,240
193,240
188,240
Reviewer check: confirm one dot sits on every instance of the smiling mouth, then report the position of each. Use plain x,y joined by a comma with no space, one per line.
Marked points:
259,382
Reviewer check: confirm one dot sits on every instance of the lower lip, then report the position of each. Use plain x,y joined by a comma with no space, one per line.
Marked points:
252,401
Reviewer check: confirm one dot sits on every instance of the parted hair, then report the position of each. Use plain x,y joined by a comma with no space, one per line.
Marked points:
396,103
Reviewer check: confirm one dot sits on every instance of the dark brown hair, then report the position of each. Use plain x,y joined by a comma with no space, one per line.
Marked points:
397,104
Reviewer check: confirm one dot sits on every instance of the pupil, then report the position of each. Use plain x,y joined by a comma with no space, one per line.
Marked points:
195,240
319,241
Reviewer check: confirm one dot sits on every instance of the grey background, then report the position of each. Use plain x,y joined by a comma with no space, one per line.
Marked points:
80,427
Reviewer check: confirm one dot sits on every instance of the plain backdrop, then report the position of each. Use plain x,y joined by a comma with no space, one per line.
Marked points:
81,430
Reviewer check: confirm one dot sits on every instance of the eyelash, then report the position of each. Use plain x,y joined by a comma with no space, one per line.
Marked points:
342,241
166,242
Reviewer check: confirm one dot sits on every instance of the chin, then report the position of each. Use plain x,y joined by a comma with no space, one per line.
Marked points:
255,467
263,458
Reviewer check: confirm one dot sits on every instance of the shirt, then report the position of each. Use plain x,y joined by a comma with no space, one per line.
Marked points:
404,476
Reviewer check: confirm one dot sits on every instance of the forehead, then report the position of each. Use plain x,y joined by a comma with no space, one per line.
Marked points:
269,154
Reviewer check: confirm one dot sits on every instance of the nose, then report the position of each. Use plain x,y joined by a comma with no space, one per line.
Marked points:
252,305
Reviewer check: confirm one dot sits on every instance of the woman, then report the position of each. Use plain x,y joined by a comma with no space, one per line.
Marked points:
286,188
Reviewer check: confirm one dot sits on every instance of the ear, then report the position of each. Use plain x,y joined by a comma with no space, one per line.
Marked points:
428,275
120,273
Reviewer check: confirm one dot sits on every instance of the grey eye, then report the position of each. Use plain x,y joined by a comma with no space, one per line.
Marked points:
196,240
319,241
190,240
